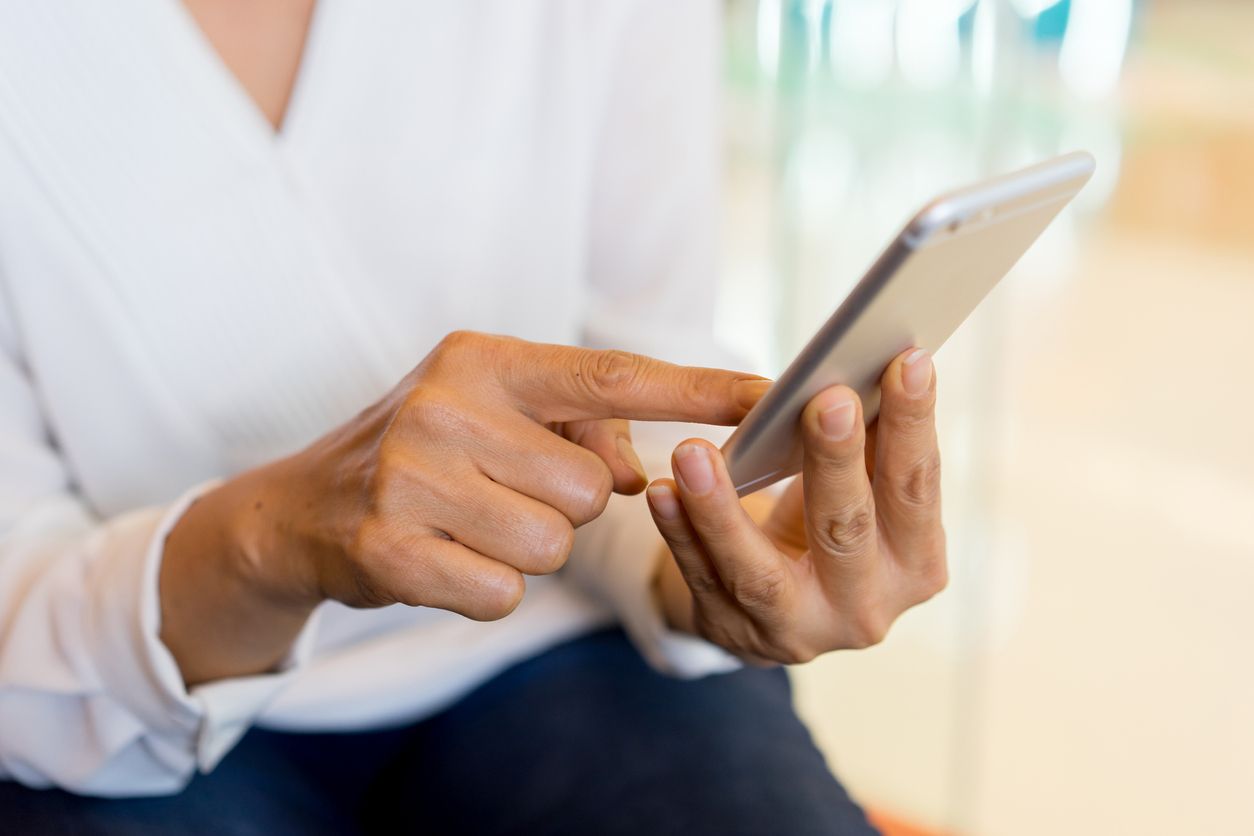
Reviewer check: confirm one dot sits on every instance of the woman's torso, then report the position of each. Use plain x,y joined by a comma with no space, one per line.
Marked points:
192,295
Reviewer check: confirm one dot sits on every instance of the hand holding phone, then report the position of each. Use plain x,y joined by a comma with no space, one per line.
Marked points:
857,540
844,551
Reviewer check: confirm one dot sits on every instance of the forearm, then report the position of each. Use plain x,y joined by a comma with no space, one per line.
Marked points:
232,601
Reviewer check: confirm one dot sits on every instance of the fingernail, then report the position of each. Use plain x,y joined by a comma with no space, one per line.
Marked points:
836,419
628,454
663,500
749,392
695,469
916,373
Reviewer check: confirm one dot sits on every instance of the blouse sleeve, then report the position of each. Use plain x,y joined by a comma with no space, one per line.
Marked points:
90,700
652,270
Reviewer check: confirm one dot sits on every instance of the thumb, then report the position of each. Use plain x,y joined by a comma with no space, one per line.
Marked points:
610,438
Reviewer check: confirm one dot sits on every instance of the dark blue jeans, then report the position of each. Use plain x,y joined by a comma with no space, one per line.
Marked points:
582,739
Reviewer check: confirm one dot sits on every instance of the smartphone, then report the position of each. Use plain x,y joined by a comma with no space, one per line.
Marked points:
945,260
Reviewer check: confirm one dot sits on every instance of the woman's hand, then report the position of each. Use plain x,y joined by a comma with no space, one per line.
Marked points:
471,473
854,542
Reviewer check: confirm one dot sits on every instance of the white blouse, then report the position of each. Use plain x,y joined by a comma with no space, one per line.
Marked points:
185,294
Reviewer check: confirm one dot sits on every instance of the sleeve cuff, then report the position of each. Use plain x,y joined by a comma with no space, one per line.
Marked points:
193,729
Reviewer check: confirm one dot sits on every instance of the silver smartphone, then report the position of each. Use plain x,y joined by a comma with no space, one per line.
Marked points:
915,295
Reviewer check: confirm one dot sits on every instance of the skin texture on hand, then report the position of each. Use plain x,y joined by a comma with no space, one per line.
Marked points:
853,542
473,472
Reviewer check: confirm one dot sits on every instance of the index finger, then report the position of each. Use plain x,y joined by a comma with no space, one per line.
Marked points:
567,383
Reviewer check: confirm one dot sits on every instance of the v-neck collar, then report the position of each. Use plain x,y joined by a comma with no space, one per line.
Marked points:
223,92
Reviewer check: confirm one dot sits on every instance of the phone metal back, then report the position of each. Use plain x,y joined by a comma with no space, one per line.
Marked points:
915,295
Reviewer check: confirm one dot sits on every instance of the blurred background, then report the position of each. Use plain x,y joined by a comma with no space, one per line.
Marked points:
1090,668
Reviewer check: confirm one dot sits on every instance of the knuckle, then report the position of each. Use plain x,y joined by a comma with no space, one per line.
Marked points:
590,493
498,595
920,486
867,628
847,532
458,342
761,590
550,545
602,490
398,482
432,410
702,583
608,371
451,354
379,562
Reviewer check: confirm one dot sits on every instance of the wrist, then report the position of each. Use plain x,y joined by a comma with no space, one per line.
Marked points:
278,540
261,540
227,608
